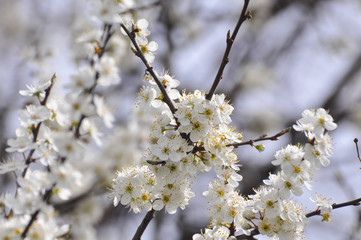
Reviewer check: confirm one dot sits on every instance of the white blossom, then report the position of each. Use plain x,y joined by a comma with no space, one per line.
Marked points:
12,164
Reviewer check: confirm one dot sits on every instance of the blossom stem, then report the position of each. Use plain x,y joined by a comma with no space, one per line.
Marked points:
144,224
230,39
252,141
358,153
139,54
355,202
46,198
231,229
262,138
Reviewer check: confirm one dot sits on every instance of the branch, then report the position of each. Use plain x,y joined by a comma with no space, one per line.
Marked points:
355,202
148,217
358,153
36,130
230,40
262,138
249,142
139,54
46,198
47,91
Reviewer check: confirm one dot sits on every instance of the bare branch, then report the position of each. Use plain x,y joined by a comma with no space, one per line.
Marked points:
230,39
46,198
148,217
358,153
262,138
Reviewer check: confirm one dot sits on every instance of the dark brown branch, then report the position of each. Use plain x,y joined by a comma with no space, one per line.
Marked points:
46,198
230,39
166,98
107,34
139,54
262,138
30,223
47,91
148,217
355,202
232,229
358,153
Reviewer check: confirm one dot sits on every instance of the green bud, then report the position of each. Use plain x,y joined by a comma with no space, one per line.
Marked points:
260,147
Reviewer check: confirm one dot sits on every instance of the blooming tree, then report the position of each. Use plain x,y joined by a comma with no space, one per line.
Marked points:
67,143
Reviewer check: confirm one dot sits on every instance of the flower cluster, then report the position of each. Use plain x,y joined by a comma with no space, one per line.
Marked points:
140,28
58,134
270,210
194,139
324,207
187,133
316,123
192,134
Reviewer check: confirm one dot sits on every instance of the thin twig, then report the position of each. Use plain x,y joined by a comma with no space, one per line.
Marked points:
358,153
48,90
230,39
148,217
355,202
231,229
262,138
139,54
105,38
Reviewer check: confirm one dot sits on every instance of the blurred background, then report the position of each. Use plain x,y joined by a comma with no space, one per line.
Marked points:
291,56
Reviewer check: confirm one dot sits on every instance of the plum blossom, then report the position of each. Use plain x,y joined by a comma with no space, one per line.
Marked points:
314,122
12,164
33,115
